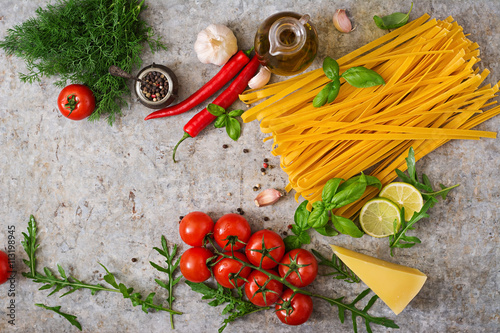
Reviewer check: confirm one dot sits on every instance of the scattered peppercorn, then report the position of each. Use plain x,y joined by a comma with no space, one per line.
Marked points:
262,170
154,86
265,165
255,188
134,259
242,212
245,150
289,226
181,217
266,218
263,174
285,233
225,146
266,160
239,210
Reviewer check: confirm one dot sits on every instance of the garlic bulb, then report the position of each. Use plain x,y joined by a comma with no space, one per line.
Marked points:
215,44
341,21
260,79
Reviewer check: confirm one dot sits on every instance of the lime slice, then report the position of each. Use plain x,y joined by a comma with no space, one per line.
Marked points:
377,217
404,195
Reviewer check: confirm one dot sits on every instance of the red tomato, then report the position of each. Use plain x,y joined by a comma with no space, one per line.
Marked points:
4,267
76,102
307,273
300,308
256,279
231,225
226,267
194,227
271,239
194,264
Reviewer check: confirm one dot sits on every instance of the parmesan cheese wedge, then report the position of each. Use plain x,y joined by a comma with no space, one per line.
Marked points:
395,284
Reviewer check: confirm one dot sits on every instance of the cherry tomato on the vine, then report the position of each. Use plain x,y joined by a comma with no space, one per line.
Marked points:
194,264
295,311
76,102
297,258
271,240
226,267
4,267
257,280
194,227
232,226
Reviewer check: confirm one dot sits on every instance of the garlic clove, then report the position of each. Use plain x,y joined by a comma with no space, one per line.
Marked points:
260,79
215,44
267,197
341,21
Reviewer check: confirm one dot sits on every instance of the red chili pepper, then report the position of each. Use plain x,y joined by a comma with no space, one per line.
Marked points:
203,118
230,69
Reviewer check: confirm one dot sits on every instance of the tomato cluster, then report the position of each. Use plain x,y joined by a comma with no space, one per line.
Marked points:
264,250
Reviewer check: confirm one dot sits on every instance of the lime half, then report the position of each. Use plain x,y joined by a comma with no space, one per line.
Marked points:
377,217
404,195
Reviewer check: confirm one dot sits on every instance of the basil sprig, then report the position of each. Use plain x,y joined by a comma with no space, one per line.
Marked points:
393,21
336,193
359,77
226,119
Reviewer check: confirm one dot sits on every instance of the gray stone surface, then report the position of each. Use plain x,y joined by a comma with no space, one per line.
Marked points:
107,194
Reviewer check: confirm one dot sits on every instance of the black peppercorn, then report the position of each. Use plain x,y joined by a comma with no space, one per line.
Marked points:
156,86
245,150
225,146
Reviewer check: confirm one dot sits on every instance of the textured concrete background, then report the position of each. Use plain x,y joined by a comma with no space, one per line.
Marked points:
107,194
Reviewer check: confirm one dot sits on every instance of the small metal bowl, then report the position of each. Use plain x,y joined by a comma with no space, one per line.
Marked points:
172,86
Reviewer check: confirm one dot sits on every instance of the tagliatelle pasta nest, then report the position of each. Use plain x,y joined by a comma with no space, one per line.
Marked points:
432,95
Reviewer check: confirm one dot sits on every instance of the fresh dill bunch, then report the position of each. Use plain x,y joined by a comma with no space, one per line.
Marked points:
79,40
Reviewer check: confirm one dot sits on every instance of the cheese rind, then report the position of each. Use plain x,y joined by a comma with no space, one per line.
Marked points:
395,284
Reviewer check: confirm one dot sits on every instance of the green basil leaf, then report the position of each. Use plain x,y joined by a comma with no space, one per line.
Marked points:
330,189
327,230
220,121
292,242
362,77
319,216
392,21
296,229
322,96
233,128
370,181
346,226
331,68
301,215
216,110
304,237
350,193
236,113
334,91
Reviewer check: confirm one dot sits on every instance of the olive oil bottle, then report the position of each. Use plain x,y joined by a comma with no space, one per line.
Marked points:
286,43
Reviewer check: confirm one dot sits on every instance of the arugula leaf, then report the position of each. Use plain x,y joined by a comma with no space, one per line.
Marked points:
392,21
396,240
57,309
361,77
172,266
236,307
341,271
50,281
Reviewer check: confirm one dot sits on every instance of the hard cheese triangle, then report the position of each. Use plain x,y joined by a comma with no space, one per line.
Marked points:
396,285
